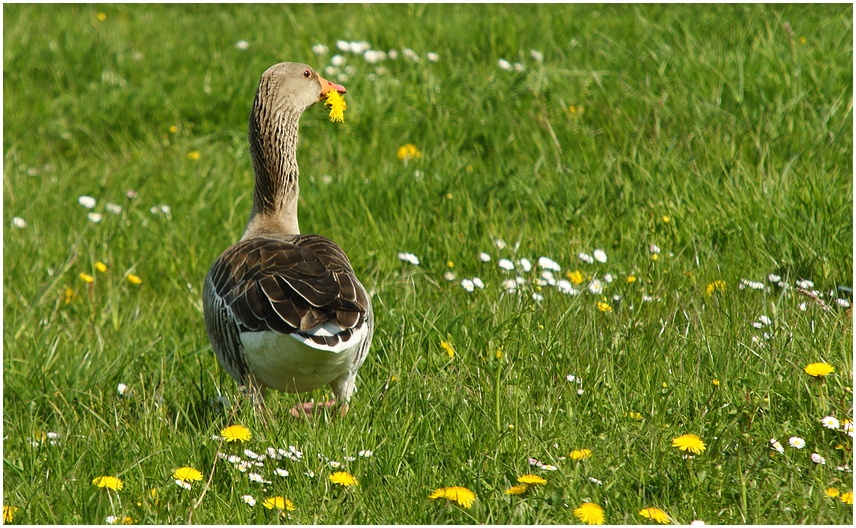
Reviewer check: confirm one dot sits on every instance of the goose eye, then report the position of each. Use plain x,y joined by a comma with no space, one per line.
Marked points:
307,73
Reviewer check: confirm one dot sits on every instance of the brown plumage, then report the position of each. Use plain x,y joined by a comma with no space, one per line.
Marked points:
282,309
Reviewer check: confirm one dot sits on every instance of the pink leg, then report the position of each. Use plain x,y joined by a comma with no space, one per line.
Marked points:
311,409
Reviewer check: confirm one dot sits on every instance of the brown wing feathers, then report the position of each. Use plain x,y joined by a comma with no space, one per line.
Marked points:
289,283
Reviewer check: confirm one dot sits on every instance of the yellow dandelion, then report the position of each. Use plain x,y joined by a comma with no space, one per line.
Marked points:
665,219
634,415
589,513
631,279
112,483
715,286
133,279
655,514
519,489
832,492
498,353
85,277
173,129
802,40
100,266
603,307
574,276
407,152
187,474
445,345
581,454
9,514
343,478
278,503
101,16
531,479
689,442
69,294
193,155
715,382
337,106
846,498
461,495
236,433
818,370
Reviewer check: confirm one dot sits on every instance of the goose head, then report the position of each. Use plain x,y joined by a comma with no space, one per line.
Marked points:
294,86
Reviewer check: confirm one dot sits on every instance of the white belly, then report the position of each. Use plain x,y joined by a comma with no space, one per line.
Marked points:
286,363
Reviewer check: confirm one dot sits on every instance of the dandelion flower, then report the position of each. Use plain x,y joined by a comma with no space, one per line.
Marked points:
575,276
236,433
112,483
689,442
847,498
337,106
713,287
445,345
100,266
832,492
519,489
133,279
249,499
9,514
531,479
818,370
85,277
343,478
581,454
278,503
187,474
655,514
193,155
461,495
796,442
604,307
830,422
589,513
407,152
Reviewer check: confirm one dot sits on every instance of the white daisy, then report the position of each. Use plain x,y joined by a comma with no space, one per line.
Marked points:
468,285
505,264
281,472
504,64
478,282
242,44
366,453
113,208
566,287
251,454
549,264
123,389
585,257
817,459
765,320
409,257
449,276
777,446
830,422
334,464
19,222
537,297
499,243
255,477
94,217
536,55
653,249
431,56
182,484
525,264
595,286
86,201
249,499
484,257
599,255
805,284
319,49
774,278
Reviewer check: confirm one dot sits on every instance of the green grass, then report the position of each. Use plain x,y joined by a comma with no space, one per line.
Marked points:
721,134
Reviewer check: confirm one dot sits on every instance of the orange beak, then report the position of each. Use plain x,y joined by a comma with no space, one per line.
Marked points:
327,86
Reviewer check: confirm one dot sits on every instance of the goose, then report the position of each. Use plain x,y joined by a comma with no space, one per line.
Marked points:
284,310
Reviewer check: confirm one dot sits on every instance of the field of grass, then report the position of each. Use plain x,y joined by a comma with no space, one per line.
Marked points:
677,178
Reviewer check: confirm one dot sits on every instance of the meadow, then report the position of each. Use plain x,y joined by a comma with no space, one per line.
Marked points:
610,252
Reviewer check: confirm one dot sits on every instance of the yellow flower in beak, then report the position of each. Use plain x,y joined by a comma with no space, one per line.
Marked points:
337,106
